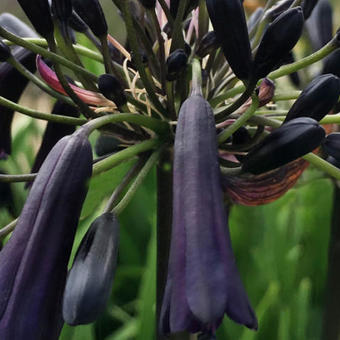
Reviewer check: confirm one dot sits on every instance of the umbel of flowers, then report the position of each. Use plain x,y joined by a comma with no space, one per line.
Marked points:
189,88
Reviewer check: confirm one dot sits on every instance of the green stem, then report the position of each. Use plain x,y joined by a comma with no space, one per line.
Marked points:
137,182
122,185
41,115
286,96
47,54
196,78
323,165
177,35
124,155
17,178
66,47
237,104
8,228
224,135
167,13
106,54
35,80
83,107
282,71
153,124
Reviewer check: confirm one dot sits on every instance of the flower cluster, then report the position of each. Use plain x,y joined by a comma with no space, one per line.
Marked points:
203,100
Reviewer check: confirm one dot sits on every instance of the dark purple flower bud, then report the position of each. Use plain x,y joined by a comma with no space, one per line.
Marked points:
278,39
279,8
33,263
148,3
332,63
203,282
308,6
317,99
92,13
90,279
176,63
332,145
254,18
207,45
38,12
12,85
111,88
54,132
77,24
285,144
229,22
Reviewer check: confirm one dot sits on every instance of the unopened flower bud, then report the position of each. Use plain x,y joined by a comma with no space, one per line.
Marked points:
176,63
317,99
278,39
111,88
285,144
331,145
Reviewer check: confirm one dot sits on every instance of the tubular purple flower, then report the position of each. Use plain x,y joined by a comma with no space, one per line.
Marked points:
33,263
203,282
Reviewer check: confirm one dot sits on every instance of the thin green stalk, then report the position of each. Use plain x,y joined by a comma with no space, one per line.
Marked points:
286,96
17,178
106,55
259,32
282,71
196,78
35,80
123,184
124,155
177,35
149,87
323,165
8,228
167,13
66,47
225,134
41,115
161,48
47,54
83,107
137,182
82,50
153,124
237,104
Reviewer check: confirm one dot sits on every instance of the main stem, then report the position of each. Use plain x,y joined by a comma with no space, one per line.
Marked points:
331,318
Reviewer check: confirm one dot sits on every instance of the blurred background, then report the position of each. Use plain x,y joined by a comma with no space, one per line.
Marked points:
281,248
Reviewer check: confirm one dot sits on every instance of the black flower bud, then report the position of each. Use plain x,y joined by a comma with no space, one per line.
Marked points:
176,63
38,12
207,45
175,3
331,145
229,22
77,24
278,39
285,144
308,6
111,88
332,63
89,281
62,11
92,13
278,9
317,99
